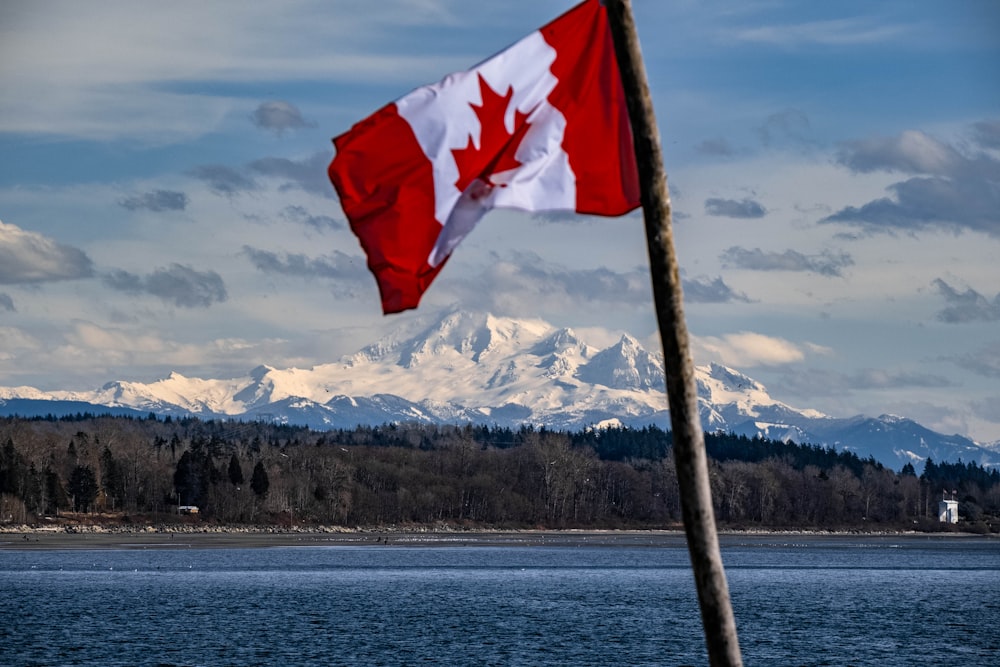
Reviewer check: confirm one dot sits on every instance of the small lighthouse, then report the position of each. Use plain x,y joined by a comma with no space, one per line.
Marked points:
948,509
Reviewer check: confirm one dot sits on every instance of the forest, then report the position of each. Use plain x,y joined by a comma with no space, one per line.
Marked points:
143,471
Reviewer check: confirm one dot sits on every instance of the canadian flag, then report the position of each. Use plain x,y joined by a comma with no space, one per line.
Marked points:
540,126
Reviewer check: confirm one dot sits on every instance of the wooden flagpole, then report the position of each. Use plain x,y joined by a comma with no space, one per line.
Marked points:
682,393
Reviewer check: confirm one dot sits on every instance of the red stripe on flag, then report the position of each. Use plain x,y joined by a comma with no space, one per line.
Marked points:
386,188
598,136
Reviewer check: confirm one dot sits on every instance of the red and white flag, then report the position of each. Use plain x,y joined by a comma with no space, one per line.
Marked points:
540,126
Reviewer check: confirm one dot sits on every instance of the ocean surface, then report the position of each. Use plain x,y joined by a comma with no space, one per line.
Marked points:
882,601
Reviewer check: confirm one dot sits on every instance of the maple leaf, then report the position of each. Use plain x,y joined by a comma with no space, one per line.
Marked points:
496,146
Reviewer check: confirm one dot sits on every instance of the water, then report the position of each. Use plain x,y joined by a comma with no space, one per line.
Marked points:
798,601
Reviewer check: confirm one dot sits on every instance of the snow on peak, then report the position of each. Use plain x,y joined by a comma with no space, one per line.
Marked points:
484,368
624,365
559,341
459,364
260,372
470,336
720,385
732,380
7,393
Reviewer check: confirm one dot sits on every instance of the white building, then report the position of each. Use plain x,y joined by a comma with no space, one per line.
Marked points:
948,511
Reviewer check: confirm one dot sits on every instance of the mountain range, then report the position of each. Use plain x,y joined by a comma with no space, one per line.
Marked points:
479,368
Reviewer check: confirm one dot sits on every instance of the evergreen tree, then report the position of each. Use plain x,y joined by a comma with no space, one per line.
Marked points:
259,481
32,493
55,494
187,480
10,469
83,487
235,471
112,480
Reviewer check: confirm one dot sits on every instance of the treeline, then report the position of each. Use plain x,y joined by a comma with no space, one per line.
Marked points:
263,473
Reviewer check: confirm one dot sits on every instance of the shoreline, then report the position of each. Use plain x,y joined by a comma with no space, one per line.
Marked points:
186,537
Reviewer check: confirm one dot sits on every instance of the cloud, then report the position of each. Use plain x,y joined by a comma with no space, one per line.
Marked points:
833,32
910,153
987,409
947,190
817,382
308,174
789,125
984,362
507,282
568,217
529,271
518,277
731,208
338,266
29,257
157,200
747,349
88,350
14,342
300,215
117,342
278,116
182,285
707,290
929,203
577,219
159,65
986,133
967,306
224,180
877,378
7,303
825,263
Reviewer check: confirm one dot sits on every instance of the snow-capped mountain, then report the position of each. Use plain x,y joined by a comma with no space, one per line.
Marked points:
475,367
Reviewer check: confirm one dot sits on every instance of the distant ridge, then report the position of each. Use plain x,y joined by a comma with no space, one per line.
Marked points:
37,407
480,368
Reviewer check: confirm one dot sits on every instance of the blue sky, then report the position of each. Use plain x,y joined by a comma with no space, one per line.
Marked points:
834,167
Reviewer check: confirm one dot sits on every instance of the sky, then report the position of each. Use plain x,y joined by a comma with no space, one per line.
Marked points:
834,170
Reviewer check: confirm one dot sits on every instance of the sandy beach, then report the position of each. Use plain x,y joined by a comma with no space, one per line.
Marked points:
84,538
